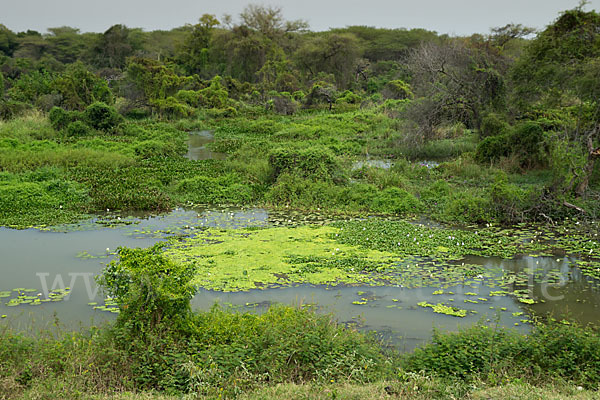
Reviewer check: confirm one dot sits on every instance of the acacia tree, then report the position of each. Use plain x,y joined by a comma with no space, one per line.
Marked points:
260,36
332,53
455,82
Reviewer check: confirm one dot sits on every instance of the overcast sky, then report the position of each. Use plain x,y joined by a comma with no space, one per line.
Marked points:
458,17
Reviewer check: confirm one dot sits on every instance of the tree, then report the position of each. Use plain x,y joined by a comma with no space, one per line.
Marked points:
559,73
65,44
194,53
333,53
269,22
8,41
459,82
79,87
114,46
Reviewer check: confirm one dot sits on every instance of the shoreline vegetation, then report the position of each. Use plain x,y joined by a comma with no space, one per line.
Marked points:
492,138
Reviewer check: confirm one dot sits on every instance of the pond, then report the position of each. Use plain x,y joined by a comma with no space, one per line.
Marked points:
38,262
198,147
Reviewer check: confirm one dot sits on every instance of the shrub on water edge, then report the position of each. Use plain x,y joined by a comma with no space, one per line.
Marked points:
467,206
225,189
317,163
551,351
170,348
298,192
508,200
396,201
156,148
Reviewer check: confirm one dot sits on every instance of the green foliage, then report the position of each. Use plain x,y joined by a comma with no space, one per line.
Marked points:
78,128
39,201
557,62
509,200
397,90
524,141
156,148
79,88
493,148
215,95
60,118
150,290
102,117
348,97
552,351
493,125
468,206
316,163
397,201
226,189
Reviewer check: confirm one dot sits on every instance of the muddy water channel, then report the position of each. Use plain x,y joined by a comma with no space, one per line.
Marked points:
48,275
198,147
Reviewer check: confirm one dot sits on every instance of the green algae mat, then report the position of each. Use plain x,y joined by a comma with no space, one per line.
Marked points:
243,259
371,252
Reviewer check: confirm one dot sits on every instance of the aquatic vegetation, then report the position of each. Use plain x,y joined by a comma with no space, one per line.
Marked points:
34,300
444,309
246,259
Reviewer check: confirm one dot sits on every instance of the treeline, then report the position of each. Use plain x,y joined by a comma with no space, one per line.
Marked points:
260,53
532,99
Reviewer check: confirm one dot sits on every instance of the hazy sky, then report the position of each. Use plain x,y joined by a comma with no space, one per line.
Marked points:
458,17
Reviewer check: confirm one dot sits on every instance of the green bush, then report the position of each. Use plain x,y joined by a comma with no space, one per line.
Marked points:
78,129
493,148
493,125
317,163
155,148
397,90
226,189
102,116
508,200
168,347
468,207
551,351
60,118
396,201
149,288
526,141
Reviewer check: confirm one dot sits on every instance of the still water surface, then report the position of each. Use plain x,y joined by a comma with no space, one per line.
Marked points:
71,256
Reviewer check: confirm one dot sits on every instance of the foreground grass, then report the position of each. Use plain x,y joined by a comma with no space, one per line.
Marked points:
433,389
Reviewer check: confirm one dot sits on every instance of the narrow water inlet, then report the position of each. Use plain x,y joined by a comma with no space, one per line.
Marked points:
198,147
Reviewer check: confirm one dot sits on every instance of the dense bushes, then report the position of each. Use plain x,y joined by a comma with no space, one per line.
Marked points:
550,351
524,141
315,163
226,189
97,116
